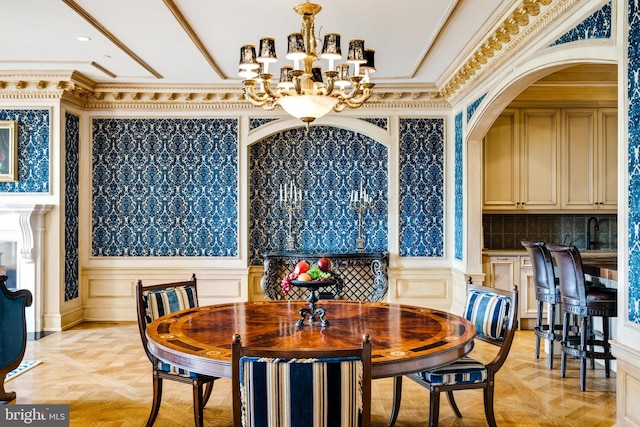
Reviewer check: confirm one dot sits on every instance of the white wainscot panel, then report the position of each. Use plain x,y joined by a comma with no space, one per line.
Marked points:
109,294
428,288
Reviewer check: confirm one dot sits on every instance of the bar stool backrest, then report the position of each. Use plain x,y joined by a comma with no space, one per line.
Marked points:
543,275
572,283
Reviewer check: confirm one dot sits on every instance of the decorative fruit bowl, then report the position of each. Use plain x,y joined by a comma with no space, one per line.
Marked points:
313,278
313,284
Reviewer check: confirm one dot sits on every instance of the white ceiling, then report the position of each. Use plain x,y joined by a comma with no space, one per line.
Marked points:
142,41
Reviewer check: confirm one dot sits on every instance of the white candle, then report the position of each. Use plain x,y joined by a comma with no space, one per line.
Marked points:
280,193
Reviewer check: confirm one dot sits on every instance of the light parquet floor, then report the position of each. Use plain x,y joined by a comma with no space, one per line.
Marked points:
100,369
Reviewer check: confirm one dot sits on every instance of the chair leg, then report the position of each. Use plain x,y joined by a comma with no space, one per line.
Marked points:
539,327
207,393
157,398
606,347
552,331
198,413
584,333
452,402
397,397
434,406
488,406
565,342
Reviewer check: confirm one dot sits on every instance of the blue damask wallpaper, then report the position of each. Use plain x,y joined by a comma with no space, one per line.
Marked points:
71,166
422,187
633,94
596,26
473,107
165,187
326,164
459,192
33,151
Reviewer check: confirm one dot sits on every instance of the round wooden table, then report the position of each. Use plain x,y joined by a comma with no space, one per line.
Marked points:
404,339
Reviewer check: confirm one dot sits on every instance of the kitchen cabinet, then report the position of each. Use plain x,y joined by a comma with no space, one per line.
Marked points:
504,272
550,159
520,161
590,150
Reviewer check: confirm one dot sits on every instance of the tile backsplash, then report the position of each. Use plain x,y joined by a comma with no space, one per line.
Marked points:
502,231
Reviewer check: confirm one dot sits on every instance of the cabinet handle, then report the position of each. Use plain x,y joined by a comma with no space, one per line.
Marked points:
502,259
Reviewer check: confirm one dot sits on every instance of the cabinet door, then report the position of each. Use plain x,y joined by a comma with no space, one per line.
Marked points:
528,303
608,155
502,272
501,188
579,159
539,159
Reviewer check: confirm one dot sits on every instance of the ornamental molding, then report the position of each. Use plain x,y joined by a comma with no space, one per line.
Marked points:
511,37
84,93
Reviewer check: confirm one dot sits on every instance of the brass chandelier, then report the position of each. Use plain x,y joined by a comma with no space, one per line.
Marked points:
301,91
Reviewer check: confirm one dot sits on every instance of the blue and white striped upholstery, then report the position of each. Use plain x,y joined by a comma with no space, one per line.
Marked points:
301,392
157,303
463,371
164,301
488,312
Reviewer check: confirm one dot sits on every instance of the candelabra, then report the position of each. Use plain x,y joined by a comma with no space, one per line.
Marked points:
290,201
360,201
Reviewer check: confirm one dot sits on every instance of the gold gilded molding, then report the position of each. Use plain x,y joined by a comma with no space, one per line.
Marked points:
75,88
186,26
98,26
510,29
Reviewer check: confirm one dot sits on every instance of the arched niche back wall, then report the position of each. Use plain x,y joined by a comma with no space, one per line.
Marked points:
326,164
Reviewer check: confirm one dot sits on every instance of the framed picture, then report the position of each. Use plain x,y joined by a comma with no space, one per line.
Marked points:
8,151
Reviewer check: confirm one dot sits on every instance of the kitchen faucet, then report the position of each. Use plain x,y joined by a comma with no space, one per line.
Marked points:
590,243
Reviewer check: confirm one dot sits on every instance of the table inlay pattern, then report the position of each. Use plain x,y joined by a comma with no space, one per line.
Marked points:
404,338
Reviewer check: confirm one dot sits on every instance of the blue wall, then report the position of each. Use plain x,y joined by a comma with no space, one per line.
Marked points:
327,164
71,166
422,187
33,151
633,94
165,187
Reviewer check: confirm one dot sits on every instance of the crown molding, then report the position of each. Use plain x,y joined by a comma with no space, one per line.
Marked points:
83,92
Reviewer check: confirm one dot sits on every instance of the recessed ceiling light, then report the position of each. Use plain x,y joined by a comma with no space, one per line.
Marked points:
84,38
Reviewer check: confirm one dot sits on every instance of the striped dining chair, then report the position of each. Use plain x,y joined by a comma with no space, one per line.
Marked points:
152,302
301,387
493,312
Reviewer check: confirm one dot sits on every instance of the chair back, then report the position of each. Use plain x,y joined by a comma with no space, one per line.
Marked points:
154,301
13,326
572,284
543,275
493,312
301,387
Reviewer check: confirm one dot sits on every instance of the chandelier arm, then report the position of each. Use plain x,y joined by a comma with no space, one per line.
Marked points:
339,107
268,91
354,91
254,99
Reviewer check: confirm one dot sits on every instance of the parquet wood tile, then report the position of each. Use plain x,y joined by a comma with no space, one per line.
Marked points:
101,370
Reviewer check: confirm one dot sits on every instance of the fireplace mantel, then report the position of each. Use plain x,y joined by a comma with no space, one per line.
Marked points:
24,224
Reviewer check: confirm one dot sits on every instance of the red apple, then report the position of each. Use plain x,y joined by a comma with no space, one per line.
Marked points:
324,264
301,267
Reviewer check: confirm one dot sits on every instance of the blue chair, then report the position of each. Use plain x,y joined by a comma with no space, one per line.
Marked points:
153,302
13,332
493,312
301,387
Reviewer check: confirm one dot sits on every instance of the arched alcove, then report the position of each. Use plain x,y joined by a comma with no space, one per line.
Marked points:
326,164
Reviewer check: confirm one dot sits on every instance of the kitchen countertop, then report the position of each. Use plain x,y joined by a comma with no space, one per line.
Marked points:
599,263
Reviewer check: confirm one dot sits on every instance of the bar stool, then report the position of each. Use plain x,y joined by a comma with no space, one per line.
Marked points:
584,302
547,291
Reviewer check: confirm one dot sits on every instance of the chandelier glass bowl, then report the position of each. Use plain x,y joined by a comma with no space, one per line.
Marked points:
302,91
